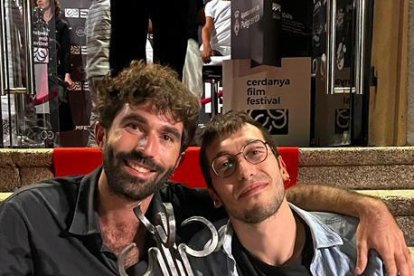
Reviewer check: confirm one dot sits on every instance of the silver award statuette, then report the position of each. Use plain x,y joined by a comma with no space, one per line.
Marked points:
167,256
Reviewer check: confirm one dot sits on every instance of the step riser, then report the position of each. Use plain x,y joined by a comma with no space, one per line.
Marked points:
352,156
360,177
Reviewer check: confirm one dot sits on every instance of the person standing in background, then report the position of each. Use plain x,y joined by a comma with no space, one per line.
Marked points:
169,28
59,66
127,16
98,36
216,31
174,26
193,64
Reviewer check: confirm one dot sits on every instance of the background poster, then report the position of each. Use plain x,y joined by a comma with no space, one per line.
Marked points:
278,97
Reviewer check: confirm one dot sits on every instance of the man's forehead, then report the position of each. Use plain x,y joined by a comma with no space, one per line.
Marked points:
232,141
148,111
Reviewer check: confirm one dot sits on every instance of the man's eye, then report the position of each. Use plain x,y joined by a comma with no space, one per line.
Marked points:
255,152
167,138
132,126
226,165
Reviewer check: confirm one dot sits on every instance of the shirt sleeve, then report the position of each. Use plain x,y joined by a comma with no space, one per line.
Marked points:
208,9
15,253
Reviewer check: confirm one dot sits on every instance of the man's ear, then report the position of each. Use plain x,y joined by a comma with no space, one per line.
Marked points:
100,134
216,199
282,168
179,160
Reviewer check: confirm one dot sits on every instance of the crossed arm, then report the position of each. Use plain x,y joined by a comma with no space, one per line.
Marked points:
374,217
206,38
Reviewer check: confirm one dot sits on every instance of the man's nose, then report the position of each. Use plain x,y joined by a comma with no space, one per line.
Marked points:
244,168
149,145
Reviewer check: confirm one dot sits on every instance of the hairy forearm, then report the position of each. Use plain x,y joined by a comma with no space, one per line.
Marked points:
331,199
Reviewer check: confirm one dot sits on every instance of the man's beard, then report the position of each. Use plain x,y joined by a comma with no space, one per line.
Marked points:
257,213
129,186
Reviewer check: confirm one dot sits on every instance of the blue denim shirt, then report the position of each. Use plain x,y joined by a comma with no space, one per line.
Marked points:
334,247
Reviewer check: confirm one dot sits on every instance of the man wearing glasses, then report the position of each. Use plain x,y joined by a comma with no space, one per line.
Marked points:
266,235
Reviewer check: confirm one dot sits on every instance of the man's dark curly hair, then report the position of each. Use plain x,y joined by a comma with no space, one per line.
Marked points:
155,84
224,124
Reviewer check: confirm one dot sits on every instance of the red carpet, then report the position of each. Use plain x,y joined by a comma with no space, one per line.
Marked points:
72,161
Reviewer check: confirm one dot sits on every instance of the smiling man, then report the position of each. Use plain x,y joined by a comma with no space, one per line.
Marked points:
265,235
79,225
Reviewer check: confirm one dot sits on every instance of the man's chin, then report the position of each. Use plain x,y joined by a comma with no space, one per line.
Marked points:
138,190
135,196
135,188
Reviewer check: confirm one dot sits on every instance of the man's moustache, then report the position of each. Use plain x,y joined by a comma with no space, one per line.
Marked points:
145,160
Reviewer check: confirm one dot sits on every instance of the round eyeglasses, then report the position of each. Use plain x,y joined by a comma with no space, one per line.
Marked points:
254,152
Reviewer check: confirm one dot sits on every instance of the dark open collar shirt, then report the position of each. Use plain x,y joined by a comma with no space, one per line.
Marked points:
51,228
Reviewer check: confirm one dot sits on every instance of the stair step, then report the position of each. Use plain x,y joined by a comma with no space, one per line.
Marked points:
400,202
358,167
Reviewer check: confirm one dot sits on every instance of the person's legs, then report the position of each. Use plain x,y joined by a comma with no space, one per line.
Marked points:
127,16
169,22
193,69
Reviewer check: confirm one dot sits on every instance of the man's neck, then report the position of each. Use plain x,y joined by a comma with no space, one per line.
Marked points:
277,240
119,225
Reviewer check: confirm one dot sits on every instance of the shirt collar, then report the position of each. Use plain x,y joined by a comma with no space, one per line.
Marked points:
322,235
85,218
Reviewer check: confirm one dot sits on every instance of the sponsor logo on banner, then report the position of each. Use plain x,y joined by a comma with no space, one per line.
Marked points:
250,17
276,121
276,97
41,55
276,10
341,120
80,31
75,50
83,13
77,86
71,13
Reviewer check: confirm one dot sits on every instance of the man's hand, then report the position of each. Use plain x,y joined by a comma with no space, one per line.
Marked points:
69,82
206,53
378,230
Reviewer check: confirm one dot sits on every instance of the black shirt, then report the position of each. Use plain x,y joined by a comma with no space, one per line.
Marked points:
249,265
51,228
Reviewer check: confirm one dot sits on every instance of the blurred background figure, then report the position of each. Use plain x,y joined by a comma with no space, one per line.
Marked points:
98,30
193,64
127,16
169,32
216,31
98,36
58,66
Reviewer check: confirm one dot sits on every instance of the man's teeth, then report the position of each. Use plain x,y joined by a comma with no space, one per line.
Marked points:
140,169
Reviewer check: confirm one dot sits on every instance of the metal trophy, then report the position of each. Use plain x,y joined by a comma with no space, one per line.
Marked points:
168,257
